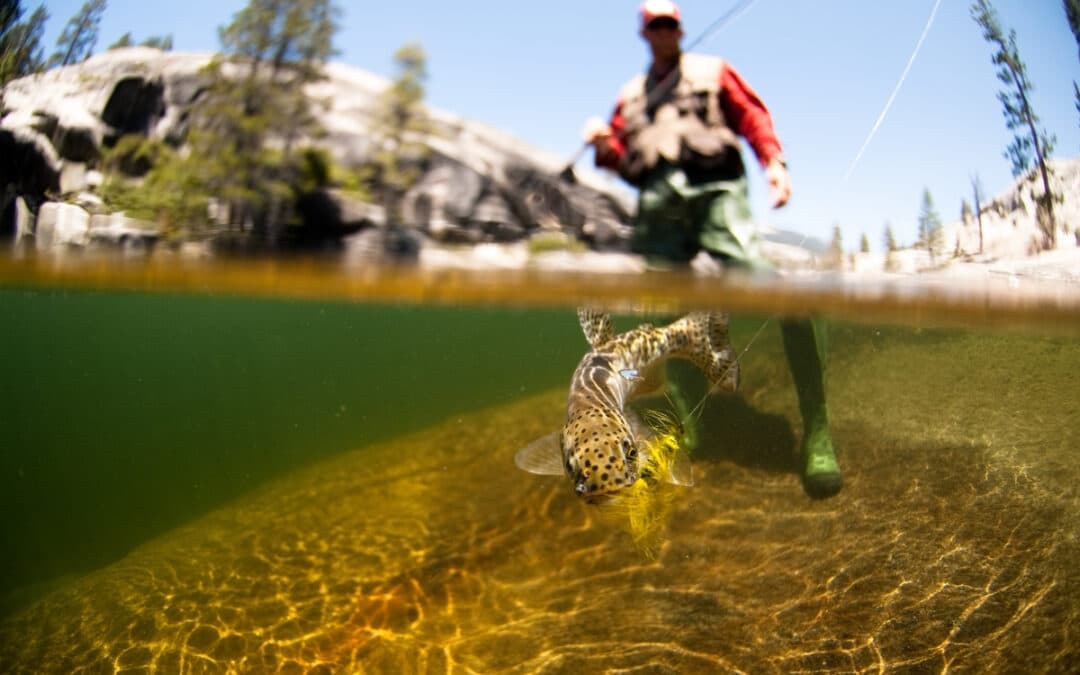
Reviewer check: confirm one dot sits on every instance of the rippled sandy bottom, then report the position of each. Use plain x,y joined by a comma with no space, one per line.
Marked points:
953,545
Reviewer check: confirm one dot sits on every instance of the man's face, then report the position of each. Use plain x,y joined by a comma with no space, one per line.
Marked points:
663,35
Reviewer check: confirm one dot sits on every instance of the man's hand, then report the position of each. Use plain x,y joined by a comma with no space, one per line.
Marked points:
779,183
595,130
598,134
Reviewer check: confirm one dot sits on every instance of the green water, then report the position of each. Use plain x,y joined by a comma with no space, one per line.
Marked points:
125,414
189,477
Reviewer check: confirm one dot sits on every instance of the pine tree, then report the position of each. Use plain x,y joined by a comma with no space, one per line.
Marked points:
1072,13
159,42
890,249
976,191
889,239
965,211
283,47
930,233
834,258
76,42
864,244
20,41
242,133
162,43
123,41
1029,139
401,122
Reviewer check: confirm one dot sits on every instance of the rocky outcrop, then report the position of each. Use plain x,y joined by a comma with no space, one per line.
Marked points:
479,185
1010,227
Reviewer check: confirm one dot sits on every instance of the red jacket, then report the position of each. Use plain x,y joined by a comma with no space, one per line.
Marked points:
743,111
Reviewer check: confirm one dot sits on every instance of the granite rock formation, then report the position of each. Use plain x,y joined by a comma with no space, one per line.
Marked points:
481,185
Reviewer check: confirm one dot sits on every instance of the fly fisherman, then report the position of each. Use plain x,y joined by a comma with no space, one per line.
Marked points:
674,136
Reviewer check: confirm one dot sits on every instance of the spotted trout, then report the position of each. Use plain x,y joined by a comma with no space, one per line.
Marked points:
604,446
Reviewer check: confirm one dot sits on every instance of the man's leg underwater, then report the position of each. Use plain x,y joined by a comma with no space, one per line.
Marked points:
730,234
802,344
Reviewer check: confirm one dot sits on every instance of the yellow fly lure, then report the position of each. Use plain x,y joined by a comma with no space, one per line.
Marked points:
645,505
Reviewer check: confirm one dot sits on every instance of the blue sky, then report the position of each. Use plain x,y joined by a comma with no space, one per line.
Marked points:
825,69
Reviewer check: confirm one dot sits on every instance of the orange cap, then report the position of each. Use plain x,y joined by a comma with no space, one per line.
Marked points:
655,9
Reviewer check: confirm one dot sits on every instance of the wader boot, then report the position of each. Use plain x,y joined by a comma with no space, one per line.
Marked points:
821,472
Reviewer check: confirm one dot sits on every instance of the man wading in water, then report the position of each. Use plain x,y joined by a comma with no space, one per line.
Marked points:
674,136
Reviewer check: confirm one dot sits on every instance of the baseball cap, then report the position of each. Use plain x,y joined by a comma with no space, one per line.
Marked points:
656,9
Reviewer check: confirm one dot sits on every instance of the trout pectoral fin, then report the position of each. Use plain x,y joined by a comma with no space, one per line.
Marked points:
543,456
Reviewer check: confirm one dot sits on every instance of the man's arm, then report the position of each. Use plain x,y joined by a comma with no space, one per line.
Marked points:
748,117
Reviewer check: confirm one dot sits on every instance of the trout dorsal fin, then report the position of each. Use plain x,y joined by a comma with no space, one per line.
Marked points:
596,325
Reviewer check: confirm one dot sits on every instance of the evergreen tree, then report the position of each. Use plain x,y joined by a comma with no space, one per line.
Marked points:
965,210
124,40
1030,142
890,249
400,123
162,43
930,233
244,129
976,190
835,256
76,42
1072,13
239,153
158,42
864,244
20,41
889,239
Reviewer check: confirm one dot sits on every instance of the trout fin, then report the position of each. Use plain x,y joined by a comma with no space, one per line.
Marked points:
597,326
720,363
542,457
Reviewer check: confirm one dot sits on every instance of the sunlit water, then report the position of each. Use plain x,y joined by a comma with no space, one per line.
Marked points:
312,471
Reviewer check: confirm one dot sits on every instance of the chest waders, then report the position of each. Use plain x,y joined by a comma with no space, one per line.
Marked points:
676,219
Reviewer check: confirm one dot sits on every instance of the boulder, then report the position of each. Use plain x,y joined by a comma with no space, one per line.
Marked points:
60,225
24,220
73,177
120,231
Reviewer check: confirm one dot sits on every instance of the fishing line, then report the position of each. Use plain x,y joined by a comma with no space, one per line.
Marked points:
742,7
700,407
737,10
895,91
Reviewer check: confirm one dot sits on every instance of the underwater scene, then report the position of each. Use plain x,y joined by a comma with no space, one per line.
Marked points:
205,480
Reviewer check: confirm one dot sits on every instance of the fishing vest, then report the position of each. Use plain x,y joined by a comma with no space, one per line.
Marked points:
680,120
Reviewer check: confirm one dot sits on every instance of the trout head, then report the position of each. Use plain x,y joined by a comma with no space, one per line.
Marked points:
600,454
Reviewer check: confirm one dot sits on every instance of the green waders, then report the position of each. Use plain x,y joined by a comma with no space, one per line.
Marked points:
678,218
